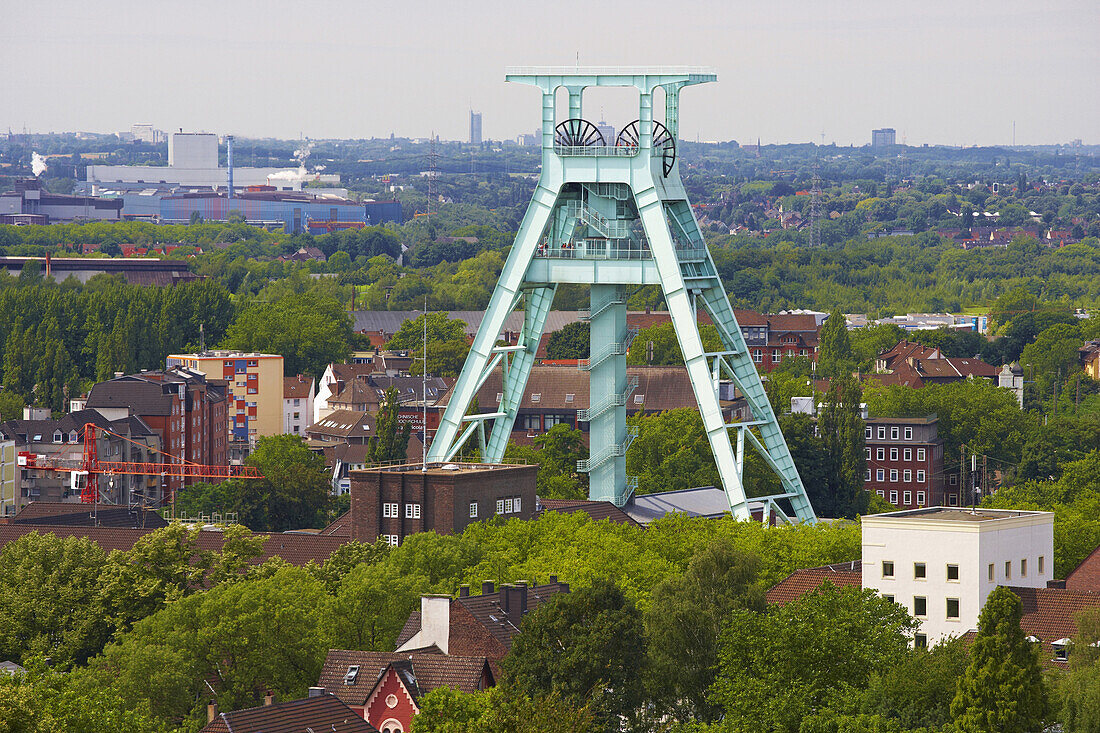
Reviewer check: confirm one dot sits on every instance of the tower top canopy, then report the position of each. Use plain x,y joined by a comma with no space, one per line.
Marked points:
643,78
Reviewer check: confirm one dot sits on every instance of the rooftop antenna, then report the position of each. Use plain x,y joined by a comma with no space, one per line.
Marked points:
229,162
202,338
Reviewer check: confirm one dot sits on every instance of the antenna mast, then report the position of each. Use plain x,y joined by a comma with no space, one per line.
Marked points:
424,396
815,210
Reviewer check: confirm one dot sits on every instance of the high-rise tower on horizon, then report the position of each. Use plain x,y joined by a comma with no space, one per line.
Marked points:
475,128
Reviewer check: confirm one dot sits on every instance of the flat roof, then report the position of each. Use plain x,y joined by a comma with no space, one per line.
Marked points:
446,468
922,420
226,355
958,514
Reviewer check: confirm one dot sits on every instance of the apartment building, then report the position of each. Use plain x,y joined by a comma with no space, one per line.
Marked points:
905,462
297,404
255,387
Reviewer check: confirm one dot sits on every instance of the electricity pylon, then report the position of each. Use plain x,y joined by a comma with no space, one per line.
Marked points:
613,214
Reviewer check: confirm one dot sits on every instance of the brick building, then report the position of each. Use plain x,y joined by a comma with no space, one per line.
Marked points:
385,687
394,502
560,394
475,626
321,712
905,462
185,408
913,365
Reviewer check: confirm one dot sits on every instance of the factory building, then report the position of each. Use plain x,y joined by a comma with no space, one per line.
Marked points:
193,163
30,204
293,212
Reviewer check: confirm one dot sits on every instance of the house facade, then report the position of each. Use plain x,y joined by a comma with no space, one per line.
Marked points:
905,462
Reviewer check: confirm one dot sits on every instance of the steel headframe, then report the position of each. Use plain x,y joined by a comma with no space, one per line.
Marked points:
616,216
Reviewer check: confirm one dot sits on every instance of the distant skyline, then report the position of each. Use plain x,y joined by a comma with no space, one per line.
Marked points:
951,73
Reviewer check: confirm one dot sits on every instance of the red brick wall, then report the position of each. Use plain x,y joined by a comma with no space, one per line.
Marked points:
378,712
469,638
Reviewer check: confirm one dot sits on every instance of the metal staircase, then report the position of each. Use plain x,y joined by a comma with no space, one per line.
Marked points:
611,451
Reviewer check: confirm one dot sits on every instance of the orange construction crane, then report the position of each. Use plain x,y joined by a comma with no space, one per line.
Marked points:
93,467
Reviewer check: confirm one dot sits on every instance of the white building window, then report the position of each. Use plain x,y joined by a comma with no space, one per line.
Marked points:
920,498
867,476
920,454
389,510
953,608
500,506
473,510
893,454
908,454
894,433
758,356
777,355
881,454
392,539
868,432
920,477
882,432
894,477
412,511
880,474
907,475
1041,564
909,433
507,506
887,568
953,573
1023,567
907,497
894,497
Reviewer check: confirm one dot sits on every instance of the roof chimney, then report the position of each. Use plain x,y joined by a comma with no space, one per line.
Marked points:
269,699
553,579
464,591
513,601
435,621
211,712
316,691
487,587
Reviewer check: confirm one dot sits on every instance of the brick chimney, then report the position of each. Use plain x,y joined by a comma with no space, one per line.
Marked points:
486,587
513,601
464,591
269,699
211,712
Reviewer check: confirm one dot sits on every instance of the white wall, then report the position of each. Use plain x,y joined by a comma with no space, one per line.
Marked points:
917,536
193,150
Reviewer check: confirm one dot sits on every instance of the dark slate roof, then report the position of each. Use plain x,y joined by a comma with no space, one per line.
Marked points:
807,580
420,671
705,501
321,714
487,611
296,549
87,515
598,510
143,396
344,424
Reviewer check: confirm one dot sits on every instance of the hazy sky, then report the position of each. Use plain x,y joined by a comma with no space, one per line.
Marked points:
952,72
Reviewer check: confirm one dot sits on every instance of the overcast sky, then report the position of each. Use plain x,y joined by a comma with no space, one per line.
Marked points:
955,72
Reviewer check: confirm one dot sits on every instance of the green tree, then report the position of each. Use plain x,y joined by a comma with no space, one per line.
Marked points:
310,332
51,600
11,405
671,452
917,692
556,452
842,436
1002,689
570,342
241,639
1053,354
391,439
294,492
684,622
582,645
447,347
500,710
779,666
666,346
1079,691
835,355
811,457
372,605
1061,441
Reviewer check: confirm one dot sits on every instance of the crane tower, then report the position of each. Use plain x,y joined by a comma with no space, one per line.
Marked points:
614,215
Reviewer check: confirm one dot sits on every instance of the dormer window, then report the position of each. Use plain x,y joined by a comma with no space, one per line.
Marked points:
73,437
1061,649
353,673
58,436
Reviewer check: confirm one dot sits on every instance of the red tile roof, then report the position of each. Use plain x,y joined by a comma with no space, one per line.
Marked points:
598,510
429,670
801,582
1048,614
296,549
322,714
297,387
340,527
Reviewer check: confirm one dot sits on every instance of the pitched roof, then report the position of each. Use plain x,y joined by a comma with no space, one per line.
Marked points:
142,395
296,549
74,514
297,387
428,671
1086,576
807,580
487,611
340,527
322,714
1048,614
597,510
344,424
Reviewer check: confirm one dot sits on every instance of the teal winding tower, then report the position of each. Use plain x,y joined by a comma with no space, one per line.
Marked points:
613,214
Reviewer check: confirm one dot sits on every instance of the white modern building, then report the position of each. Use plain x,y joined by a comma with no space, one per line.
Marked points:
297,404
941,563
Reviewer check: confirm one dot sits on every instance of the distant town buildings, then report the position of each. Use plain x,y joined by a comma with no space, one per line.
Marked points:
475,128
883,137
